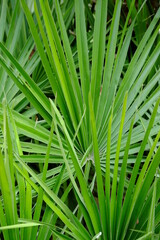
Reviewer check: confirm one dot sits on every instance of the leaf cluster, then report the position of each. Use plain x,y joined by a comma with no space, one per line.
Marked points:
79,120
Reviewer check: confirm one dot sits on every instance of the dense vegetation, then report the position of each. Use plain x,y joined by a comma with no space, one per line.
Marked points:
79,119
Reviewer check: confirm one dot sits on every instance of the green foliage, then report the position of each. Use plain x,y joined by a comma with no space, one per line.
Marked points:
79,120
